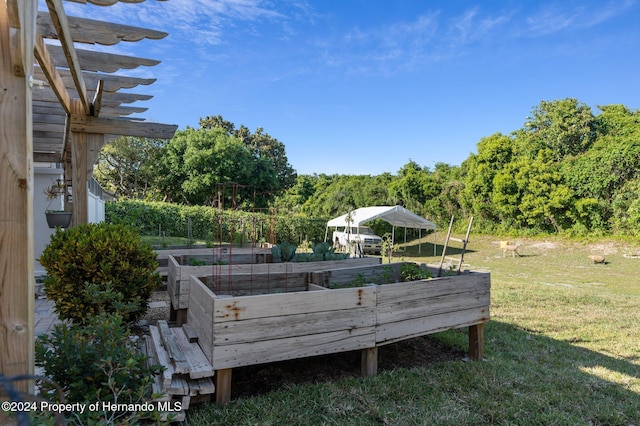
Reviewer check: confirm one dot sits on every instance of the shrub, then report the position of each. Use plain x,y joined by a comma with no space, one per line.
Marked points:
101,257
413,272
96,363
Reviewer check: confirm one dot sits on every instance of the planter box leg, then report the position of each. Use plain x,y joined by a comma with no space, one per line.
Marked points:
223,386
369,362
181,317
476,342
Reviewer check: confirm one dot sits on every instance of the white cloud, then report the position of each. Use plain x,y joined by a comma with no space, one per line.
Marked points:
554,18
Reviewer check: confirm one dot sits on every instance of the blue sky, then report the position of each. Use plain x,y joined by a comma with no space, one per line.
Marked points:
364,86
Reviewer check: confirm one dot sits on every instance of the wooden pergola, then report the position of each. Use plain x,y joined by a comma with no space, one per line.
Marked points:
58,104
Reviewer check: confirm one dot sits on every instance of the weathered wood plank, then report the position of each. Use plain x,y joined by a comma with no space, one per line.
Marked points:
432,288
178,386
314,287
252,353
259,283
173,281
374,273
286,326
99,61
396,331
200,315
90,31
274,305
88,124
206,386
392,311
199,365
161,356
157,386
112,83
190,333
180,364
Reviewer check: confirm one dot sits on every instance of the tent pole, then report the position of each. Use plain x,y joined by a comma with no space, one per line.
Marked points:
435,240
393,235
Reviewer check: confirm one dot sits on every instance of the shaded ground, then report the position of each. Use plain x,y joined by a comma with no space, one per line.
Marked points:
260,379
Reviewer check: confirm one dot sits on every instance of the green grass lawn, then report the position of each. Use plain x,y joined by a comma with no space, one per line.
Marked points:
562,348
162,242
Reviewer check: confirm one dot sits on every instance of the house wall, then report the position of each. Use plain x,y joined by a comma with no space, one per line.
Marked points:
44,177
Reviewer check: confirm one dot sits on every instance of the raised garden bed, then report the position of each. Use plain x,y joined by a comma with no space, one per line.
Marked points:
237,331
239,265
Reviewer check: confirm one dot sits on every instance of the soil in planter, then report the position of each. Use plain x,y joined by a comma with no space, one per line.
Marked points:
261,379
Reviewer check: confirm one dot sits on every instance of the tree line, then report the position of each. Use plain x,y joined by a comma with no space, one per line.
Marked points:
567,170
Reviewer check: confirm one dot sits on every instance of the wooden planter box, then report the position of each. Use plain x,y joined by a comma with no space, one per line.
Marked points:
238,331
248,330
416,308
179,275
255,284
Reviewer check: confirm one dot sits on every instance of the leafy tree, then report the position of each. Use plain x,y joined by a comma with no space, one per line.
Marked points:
414,186
494,154
202,160
448,202
333,193
263,147
626,209
128,166
566,127
601,175
530,194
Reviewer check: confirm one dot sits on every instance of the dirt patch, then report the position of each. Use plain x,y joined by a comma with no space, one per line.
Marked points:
260,379
545,245
603,249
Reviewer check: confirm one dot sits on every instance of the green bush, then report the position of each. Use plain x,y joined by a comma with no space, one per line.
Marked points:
103,258
96,363
413,272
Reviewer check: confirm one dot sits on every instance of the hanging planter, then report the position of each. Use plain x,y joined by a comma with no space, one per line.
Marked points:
57,218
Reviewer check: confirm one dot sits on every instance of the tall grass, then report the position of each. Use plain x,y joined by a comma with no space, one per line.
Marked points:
562,348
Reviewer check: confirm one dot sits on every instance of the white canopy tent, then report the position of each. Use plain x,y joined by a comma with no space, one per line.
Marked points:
395,215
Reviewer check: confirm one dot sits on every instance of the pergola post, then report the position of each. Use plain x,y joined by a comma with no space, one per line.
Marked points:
84,152
17,35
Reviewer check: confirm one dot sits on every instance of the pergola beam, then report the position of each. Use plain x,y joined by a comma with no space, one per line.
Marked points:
96,105
59,20
90,31
120,127
51,73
